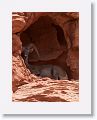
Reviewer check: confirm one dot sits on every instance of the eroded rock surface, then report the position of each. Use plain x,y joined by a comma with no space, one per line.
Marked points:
47,90
56,40
20,74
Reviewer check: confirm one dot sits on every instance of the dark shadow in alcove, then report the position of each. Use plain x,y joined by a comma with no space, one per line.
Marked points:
60,35
28,36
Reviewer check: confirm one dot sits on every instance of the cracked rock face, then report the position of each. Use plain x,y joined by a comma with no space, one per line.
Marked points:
55,44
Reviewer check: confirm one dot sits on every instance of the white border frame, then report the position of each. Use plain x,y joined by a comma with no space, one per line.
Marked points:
84,104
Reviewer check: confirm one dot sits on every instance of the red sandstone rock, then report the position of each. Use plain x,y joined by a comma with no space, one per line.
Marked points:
47,90
22,20
74,15
27,86
20,74
16,45
18,22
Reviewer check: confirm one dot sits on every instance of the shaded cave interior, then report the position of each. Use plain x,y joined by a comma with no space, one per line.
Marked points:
47,55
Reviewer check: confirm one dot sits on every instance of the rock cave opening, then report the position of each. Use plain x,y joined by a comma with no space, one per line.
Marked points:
45,57
44,49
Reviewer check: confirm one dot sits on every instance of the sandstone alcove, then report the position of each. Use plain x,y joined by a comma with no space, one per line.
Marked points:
50,48
45,56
